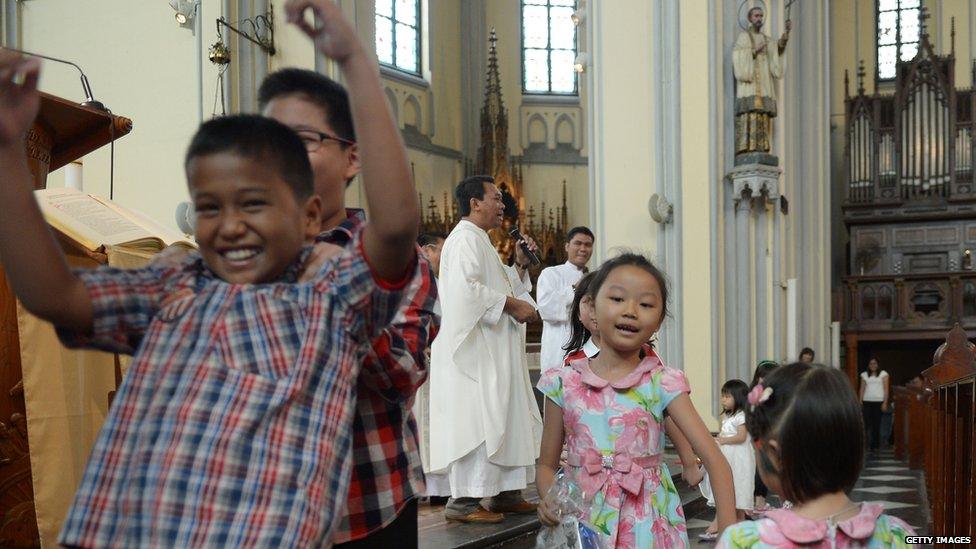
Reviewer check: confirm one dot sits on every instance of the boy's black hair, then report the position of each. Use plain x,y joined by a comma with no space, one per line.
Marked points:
762,370
814,416
578,333
580,230
739,392
426,239
807,351
318,89
635,260
257,138
471,187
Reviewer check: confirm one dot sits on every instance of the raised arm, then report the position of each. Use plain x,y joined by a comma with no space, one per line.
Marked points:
389,238
397,364
32,258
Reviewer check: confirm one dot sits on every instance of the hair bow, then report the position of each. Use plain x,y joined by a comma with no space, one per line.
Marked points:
758,395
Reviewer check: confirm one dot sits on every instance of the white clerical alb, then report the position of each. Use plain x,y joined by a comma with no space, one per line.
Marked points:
485,426
555,296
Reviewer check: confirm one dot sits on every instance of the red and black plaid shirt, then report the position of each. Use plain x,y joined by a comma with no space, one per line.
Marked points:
387,472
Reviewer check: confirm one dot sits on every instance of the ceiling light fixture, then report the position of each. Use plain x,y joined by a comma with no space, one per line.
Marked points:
582,60
185,10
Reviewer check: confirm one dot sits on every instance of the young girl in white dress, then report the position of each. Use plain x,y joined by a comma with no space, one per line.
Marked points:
736,446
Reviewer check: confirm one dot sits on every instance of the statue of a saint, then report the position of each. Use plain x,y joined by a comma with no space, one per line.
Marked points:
757,64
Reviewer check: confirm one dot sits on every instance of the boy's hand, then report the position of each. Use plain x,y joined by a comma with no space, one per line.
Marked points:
19,99
332,33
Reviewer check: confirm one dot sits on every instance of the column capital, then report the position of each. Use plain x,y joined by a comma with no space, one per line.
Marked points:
751,181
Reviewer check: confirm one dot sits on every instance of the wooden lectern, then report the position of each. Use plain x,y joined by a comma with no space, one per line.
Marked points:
62,132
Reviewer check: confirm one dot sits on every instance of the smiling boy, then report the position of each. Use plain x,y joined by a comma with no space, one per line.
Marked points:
232,426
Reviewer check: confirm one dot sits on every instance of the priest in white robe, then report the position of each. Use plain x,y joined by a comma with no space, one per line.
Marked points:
430,248
555,295
485,426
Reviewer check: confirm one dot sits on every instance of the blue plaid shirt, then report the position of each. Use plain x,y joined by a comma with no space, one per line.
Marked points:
232,426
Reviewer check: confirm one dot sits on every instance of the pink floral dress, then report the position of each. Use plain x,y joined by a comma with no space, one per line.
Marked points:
783,528
614,441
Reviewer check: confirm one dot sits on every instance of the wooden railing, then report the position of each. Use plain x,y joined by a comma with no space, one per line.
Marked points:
931,301
934,429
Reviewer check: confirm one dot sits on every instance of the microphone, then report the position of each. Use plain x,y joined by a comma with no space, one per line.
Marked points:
89,100
517,235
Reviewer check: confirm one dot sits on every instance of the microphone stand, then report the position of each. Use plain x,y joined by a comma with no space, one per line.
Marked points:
89,101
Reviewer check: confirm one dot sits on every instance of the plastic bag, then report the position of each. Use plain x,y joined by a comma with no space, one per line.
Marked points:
566,499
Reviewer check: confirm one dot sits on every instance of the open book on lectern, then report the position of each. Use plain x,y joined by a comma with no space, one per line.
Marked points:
96,223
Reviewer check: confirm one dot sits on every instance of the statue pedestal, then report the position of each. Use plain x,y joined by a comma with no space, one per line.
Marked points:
755,180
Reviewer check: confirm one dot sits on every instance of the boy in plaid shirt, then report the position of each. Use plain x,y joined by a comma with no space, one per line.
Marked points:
232,426
387,474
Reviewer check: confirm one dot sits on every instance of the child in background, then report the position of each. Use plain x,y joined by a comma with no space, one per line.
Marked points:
761,492
610,410
734,442
232,426
801,418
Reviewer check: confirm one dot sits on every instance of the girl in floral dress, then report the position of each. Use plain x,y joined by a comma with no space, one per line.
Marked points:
610,412
801,418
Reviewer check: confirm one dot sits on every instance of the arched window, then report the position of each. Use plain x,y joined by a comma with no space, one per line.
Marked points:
398,34
897,34
885,302
548,47
969,300
868,303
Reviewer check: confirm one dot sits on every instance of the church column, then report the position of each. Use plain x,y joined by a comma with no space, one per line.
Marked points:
761,255
667,174
645,91
805,125
777,284
474,38
743,318
11,23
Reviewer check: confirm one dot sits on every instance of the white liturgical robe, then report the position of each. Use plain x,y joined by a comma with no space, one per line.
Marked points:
480,393
756,75
555,296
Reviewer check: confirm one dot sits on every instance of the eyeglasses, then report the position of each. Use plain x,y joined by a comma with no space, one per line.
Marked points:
313,139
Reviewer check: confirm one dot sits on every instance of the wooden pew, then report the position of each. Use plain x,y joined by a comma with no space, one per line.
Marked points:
910,424
949,443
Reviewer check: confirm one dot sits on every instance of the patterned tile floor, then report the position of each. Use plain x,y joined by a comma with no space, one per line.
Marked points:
891,482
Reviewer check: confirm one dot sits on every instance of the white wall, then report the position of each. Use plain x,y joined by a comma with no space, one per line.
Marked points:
142,65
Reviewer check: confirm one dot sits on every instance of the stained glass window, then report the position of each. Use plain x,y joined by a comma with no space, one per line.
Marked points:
398,34
548,47
898,34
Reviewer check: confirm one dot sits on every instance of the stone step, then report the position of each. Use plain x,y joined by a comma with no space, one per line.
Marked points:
519,531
